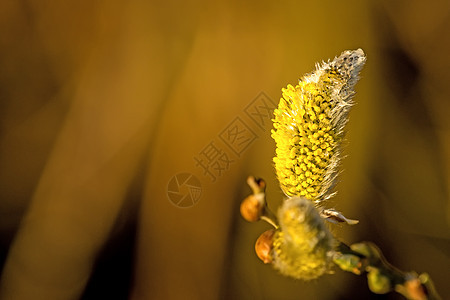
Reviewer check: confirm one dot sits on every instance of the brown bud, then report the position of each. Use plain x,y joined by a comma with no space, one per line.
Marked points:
415,289
257,185
252,208
263,246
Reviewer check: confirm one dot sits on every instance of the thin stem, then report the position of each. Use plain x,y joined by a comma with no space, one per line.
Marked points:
270,221
383,276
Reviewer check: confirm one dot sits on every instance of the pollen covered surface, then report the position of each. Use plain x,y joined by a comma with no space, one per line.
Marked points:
308,127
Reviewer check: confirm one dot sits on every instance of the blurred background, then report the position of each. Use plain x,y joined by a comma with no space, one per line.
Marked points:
105,106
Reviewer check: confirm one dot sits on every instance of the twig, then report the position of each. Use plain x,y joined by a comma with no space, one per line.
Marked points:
366,257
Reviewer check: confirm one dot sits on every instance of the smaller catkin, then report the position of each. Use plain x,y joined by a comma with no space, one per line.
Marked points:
308,127
302,245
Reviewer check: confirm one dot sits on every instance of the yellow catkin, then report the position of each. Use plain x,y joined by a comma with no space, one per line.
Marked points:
308,127
302,245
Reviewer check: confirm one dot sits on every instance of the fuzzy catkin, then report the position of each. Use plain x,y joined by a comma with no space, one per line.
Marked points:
303,245
308,127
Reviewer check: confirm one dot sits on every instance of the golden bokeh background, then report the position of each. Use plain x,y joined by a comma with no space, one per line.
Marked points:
103,102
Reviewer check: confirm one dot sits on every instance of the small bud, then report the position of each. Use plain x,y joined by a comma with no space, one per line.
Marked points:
263,246
379,282
257,185
252,208
414,289
369,250
349,263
